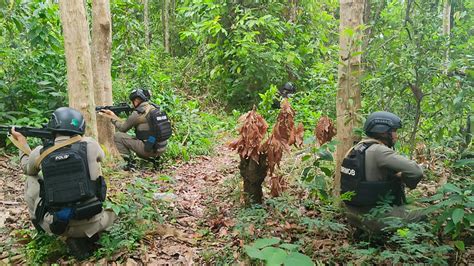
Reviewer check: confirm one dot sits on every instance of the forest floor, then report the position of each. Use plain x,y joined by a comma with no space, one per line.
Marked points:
201,218
192,191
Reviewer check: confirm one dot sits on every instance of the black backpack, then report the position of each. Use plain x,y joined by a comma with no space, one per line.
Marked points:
367,193
67,191
160,125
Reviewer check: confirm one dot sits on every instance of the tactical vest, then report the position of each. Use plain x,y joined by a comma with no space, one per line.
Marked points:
367,193
160,127
67,191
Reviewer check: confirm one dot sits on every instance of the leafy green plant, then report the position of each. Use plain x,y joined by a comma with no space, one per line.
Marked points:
43,247
316,175
273,252
452,213
137,211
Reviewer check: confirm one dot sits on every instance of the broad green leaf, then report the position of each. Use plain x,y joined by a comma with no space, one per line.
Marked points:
274,256
295,258
326,171
464,162
451,188
265,242
253,252
289,247
457,215
325,155
459,245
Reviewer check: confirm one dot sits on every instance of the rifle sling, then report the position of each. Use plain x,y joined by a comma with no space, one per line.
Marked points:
25,149
56,147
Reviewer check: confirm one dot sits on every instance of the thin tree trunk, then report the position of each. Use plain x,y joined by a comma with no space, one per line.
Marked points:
101,66
166,25
348,100
78,61
293,10
146,21
418,94
447,31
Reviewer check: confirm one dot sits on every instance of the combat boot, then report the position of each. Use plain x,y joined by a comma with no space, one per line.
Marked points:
130,163
81,248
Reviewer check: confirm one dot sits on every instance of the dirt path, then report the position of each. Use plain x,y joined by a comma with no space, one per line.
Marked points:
199,190
196,191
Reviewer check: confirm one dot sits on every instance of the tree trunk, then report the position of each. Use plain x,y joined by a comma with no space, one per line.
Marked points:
293,10
166,25
146,21
253,174
101,66
447,31
348,93
78,61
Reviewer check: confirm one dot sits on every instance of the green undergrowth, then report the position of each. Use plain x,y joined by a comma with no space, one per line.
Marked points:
137,214
306,218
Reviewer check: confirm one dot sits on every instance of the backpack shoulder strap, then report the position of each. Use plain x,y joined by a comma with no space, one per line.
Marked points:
367,142
56,147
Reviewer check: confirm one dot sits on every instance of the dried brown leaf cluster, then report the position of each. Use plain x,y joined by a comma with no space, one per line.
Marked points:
284,135
277,185
251,133
324,130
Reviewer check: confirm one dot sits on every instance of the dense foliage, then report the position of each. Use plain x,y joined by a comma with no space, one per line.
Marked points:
227,56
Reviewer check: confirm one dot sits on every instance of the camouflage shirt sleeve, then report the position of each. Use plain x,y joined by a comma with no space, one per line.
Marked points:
411,173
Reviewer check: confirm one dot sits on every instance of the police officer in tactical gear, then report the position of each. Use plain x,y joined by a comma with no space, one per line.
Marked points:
284,92
374,171
141,144
66,198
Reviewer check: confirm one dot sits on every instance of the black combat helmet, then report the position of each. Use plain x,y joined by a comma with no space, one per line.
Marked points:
68,121
381,122
139,93
289,87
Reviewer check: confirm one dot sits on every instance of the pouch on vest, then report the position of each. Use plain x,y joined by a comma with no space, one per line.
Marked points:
367,193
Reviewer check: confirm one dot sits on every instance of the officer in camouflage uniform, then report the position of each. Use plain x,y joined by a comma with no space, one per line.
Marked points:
137,120
65,123
383,167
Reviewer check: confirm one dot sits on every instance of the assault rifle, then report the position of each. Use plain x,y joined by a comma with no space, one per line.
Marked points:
41,133
117,109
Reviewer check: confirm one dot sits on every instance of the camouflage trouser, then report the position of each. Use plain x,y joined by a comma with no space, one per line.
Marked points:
75,228
356,218
126,144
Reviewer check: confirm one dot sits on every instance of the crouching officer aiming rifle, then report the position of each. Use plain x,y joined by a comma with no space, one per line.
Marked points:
67,198
152,128
373,170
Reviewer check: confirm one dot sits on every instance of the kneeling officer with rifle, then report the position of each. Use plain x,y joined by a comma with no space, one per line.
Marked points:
67,198
152,128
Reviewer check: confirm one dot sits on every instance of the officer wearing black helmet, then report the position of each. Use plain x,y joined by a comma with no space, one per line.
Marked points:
139,119
374,171
284,92
66,198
